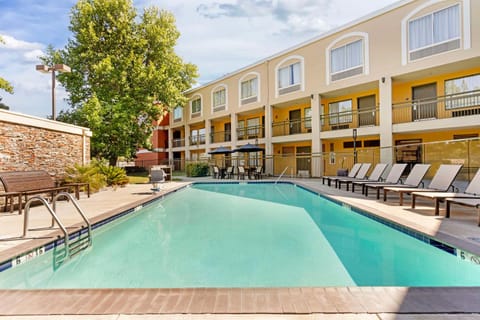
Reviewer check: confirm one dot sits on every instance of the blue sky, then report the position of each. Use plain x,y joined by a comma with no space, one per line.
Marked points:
218,36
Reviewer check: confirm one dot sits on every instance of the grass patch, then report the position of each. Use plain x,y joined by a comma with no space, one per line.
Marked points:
138,177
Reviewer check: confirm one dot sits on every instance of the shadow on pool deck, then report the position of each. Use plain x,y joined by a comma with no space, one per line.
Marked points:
324,303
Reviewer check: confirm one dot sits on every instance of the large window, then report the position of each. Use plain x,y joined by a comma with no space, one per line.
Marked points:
177,114
253,127
196,106
462,92
434,33
289,76
340,112
347,57
249,89
219,100
308,118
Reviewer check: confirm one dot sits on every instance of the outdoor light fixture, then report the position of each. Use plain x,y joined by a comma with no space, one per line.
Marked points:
46,69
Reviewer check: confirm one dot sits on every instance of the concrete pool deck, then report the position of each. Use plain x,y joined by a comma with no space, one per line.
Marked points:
285,303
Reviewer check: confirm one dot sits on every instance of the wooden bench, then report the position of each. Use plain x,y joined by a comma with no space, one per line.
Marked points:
25,183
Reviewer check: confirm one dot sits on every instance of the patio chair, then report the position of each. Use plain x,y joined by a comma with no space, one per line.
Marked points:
241,173
229,172
467,202
392,178
472,191
413,180
362,173
216,172
441,182
258,172
375,176
353,172
157,176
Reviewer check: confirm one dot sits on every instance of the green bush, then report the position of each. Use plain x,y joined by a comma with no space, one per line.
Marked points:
114,176
87,173
200,169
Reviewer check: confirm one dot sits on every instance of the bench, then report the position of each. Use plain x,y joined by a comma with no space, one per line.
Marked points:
24,183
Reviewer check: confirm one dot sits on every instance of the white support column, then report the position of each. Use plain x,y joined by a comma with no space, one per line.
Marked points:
233,134
268,140
317,169
187,142
386,122
208,125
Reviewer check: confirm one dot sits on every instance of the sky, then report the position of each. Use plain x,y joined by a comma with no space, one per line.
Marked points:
219,37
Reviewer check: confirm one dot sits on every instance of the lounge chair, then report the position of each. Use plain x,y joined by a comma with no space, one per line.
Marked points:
157,176
241,173
413,180
229,172
375,176
353,172
362,173
467,202
441,182
472,191
392,178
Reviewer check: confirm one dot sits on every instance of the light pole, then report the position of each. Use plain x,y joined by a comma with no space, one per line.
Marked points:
46,69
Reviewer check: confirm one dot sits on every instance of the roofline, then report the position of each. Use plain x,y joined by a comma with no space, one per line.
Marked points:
328,33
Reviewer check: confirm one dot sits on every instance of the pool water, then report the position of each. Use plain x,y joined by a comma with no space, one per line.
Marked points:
247,235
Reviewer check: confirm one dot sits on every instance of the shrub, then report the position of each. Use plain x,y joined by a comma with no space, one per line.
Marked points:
87,173
199,169
114,176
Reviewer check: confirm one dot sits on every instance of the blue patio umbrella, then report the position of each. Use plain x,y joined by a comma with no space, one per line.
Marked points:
220,150
249,148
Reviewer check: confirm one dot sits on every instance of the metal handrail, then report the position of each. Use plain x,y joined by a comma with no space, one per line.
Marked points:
54,216
79,210
281,174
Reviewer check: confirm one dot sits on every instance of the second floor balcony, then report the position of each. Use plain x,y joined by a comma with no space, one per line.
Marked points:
197,139
442,107
221,136
180,142
350,119
289,127
251,132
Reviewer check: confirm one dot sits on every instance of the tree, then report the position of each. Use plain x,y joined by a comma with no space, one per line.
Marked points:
125,73
4,84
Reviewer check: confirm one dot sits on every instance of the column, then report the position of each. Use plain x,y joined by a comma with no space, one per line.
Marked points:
208,126
187,142
317,162
268,140
386,124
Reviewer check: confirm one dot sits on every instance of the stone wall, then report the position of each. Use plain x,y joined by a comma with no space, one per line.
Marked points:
31,143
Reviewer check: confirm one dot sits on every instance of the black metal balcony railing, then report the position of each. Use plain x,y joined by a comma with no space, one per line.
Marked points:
251,132
289,127
221,136
197,139
178,143
449,106
350,119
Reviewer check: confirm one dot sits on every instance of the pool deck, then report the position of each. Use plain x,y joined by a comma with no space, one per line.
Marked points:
384,303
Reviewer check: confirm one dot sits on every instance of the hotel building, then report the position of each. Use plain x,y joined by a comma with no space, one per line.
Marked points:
406,74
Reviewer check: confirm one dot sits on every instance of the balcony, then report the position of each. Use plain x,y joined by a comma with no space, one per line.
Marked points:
178,143
221,136
450,106
251,132
350,119
289,127
197,139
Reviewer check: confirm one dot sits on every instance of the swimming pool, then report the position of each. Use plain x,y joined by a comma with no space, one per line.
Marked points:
247,235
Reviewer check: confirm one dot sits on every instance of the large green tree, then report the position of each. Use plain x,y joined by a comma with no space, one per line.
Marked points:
4,84
125,73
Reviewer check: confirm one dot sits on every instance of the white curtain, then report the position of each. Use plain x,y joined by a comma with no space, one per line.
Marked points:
249,88
420,32
284,77
337,59
295,73
347,56
446,24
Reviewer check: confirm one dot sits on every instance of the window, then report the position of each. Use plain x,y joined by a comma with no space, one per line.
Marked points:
462,92
347,61
434,33
198,136
289,76
322,114
219,98
177,114
253,127
196,106
249,90
340,112
307,114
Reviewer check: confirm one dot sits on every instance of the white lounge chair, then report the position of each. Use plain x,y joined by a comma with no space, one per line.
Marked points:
472,191
375,176
353,172
362,173
470,202
441,182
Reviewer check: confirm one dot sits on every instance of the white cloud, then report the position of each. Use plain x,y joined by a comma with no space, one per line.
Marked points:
33,55
15,44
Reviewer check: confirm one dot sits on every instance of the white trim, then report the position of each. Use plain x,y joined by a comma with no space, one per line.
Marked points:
300,59
173,114
465,33
366,52
28,120
257,75
194,97
215,89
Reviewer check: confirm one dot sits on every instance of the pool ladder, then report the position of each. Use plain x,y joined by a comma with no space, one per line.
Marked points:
71,248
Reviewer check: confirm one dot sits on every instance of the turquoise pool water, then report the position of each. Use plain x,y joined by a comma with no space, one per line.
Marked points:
247,235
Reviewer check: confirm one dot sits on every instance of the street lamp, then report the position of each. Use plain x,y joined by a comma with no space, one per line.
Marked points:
46,69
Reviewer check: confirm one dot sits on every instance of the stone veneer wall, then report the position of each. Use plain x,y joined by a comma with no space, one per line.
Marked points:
31,143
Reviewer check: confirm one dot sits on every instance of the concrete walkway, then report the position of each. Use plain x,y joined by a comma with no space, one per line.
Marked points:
341,303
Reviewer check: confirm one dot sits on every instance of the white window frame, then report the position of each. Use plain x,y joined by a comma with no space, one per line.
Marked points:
283,64
223,106
333,45
462,98
197,113
175,110
345,57
347,115
465,32
248,77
